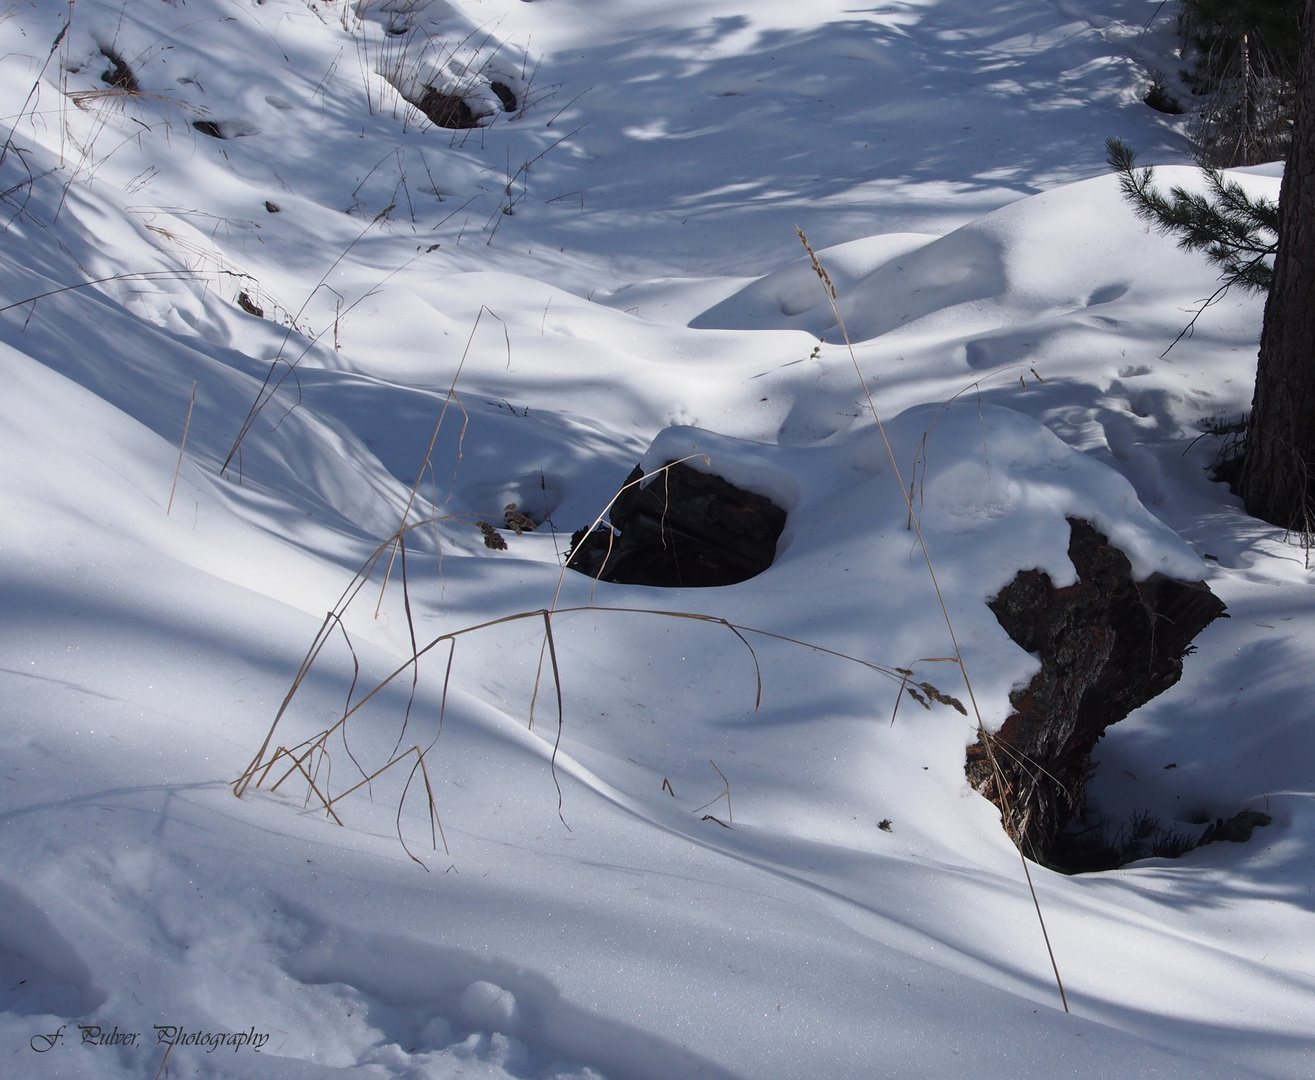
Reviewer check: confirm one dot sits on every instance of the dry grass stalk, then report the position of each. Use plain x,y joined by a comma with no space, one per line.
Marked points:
310,755
36,86
726,794
181,447
163,1061
907,494
269,387
427,464
147,275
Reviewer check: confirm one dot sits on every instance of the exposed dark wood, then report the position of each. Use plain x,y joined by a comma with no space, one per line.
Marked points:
1107,645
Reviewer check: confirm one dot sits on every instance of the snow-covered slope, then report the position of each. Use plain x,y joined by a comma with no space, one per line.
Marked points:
726,860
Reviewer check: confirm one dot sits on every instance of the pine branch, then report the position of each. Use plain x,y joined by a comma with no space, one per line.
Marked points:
1237,233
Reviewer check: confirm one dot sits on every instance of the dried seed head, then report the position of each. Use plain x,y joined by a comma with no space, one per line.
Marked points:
492,538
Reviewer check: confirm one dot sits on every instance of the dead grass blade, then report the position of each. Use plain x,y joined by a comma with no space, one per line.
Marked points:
147,275
36,85
726,794
561,714
269,387
907,493
427,463
314,751
181,447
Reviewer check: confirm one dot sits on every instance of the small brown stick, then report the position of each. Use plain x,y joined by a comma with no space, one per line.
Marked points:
905,676
164,1061
415,652
729,812
319,794
433,808
297,763
280,752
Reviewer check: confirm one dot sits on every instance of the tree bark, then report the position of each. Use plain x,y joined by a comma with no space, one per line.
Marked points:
1278,475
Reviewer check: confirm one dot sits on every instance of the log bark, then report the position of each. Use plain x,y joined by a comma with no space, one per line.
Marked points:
1107,645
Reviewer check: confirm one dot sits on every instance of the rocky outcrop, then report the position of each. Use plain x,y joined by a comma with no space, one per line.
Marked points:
1236,830
1107,645
684,528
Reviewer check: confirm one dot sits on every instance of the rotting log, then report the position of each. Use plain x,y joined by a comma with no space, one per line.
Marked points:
1107,645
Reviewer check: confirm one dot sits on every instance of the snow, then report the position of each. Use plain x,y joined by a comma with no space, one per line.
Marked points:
688,877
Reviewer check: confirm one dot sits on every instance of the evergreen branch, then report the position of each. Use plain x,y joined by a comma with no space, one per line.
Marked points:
1237,233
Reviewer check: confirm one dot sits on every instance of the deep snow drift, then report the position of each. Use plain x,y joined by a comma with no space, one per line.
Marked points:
732,857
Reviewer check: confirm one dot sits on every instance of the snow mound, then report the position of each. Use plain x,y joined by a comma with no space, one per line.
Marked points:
1063,252
991,485
794,298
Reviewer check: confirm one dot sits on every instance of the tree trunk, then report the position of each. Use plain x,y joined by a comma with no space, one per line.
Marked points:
1278,475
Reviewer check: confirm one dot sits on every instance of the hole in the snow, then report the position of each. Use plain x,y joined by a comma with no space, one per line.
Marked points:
683,528
119,74
505,94
446,110
1159,99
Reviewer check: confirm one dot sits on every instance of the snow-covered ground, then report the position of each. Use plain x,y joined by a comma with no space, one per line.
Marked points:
685,876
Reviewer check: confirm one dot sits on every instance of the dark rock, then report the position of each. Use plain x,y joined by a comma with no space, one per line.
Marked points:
684,528
1236,829
248,305
1107,645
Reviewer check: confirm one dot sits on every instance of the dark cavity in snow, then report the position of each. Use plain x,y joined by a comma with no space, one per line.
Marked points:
505,94
683,528
1159,99
446,110
119,74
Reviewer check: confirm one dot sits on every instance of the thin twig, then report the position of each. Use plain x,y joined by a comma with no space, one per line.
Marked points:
830,291
148,275
561,716
4,152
